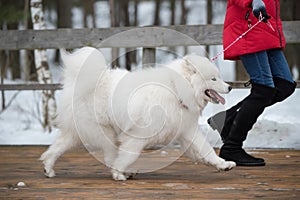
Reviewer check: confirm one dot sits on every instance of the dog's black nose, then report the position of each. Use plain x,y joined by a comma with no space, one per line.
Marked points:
229,88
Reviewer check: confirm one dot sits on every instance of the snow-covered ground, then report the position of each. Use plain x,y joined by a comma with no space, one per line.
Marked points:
277,127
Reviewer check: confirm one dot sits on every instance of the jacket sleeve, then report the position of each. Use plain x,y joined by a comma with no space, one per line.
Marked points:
242,3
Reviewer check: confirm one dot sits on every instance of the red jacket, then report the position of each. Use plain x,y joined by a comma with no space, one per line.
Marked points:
260,38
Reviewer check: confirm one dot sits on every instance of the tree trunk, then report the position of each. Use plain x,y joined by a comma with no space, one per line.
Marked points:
125,21
64,19
89,10
14,57
172,7
184,13
3,64
297,48
43,72
296,10
183,18
64,13
136,6
114,21
29,68
133,52
14,63
124,15
156,21
208,19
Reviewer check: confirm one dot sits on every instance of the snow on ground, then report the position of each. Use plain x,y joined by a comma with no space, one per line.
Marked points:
278,126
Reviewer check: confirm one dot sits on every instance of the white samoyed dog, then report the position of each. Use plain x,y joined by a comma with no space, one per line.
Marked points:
121,112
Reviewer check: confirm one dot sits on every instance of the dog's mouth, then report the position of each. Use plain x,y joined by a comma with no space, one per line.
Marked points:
214,96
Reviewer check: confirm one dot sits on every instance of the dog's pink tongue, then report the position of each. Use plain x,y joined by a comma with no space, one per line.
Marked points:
217,96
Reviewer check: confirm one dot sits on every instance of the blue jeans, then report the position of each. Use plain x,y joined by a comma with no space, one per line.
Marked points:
264,65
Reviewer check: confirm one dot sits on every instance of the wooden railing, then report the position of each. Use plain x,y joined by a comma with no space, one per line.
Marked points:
121,37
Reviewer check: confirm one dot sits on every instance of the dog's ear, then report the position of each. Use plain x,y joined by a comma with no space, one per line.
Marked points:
188,68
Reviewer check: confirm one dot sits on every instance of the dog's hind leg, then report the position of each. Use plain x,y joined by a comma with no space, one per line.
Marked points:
200,150
62,144
109,146
129,151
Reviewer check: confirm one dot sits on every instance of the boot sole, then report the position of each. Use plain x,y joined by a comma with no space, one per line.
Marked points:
250,164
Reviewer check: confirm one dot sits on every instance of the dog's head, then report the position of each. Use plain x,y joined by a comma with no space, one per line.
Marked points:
205,79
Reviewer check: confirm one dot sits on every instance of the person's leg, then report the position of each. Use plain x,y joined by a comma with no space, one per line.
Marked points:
282,77
222,121
283,82
252,107
261,95
258,68
278,65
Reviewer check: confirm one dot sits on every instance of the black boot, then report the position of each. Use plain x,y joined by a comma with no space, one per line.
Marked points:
253,105
240,157
284,89
222,121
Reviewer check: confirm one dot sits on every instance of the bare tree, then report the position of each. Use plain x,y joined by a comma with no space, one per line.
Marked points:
125,21
88,6
114,21
156,21
172,7
184,13
183,19
64,13
64,19
209,17
3,62
136,20
14,57
29,67
43,72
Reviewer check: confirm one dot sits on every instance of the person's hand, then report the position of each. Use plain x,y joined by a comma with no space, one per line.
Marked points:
259,7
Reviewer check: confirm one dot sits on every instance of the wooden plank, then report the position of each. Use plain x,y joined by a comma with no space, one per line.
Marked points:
183,35
57,86
80,176
31,86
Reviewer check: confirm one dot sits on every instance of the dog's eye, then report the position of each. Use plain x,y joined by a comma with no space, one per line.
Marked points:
214,79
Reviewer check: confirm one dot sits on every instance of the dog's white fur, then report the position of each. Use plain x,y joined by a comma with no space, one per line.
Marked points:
122,112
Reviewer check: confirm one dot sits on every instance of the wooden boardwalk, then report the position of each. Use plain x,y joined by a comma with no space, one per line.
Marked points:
80,176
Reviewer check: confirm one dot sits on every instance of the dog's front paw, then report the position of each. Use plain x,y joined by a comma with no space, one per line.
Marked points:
226,166
49,173
118,176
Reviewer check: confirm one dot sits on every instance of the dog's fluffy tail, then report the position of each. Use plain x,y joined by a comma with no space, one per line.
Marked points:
83,68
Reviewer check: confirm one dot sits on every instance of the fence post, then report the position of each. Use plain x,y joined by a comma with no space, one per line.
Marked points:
148,56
